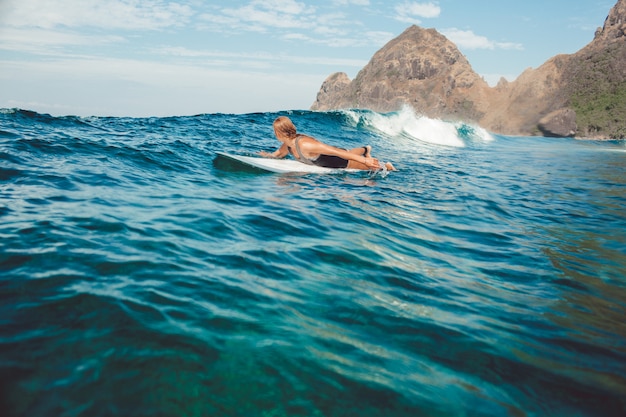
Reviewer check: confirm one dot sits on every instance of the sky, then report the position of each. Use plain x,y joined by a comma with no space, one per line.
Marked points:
143,58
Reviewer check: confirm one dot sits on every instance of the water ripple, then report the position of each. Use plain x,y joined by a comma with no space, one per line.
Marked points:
139,277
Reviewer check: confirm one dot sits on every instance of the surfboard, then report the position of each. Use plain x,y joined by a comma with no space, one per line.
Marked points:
283,166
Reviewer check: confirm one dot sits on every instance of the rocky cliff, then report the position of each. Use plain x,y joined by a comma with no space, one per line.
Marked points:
583,94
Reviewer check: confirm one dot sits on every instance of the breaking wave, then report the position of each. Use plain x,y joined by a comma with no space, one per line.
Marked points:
409,125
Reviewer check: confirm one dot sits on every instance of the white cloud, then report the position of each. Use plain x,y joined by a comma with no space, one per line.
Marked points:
142,88
330,31
337,22
469,40
106,14
48,41
378,37
295,21
349,2
366,39
298,37
410,12
260,15
258,59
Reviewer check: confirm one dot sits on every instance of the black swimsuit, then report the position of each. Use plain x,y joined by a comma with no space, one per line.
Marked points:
328,161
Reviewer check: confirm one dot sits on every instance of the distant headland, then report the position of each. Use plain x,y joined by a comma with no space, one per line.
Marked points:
579,95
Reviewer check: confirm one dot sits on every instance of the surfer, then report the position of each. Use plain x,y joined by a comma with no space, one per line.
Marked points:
311,151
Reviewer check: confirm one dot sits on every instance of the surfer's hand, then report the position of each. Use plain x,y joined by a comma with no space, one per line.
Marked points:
266,154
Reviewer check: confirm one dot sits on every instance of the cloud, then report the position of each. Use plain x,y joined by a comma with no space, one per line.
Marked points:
104,14
260,15
142,88
365,39
49,41
469,40
410,12
295,21
349,2
255,60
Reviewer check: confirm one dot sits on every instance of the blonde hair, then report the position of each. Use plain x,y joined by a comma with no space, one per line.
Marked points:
285,126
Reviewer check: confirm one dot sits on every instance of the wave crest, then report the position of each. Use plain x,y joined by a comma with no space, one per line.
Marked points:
406,123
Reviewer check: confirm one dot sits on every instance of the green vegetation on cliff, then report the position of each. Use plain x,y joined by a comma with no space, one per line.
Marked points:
601,112
599,98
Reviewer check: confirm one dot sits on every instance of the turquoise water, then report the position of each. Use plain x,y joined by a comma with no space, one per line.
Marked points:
141,275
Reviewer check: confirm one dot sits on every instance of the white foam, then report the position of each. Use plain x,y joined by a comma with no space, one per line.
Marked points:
405,123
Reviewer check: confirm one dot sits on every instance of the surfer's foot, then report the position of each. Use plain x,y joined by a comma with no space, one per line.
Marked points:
390,166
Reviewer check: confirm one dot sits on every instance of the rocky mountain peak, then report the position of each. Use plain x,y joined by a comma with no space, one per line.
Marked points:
582,94
421,67
615,24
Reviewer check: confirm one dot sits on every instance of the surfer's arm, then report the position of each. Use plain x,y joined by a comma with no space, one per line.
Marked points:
281,152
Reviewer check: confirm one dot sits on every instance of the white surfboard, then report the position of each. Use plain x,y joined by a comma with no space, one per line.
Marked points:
282,166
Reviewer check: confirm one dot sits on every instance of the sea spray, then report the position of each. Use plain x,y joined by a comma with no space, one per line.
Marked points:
407,124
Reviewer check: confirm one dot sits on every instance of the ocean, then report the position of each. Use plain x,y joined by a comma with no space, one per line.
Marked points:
141,274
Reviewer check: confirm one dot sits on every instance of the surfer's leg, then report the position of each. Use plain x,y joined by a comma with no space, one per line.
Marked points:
357,165
366,151
362,150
